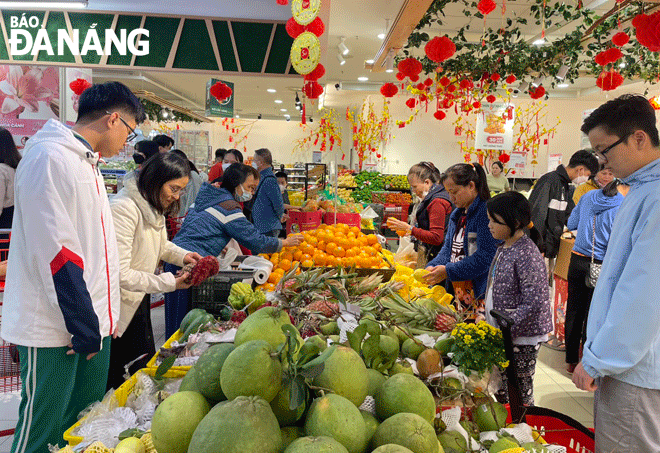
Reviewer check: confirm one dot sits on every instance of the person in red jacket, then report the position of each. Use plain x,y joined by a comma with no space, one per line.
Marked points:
216,171
432,215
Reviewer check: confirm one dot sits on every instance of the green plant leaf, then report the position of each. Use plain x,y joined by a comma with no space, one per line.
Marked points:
320,359
164,367
297,392
132,432
312,372
355,338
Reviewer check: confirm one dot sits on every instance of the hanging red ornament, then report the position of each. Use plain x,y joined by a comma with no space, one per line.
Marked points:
620,39
313,90
451,88
400,76
495,77
504,158
317,73
79,85
511,79
410,67
439,115
536,93
440,49
316,26
389,90
608,56
411,103
379,156
646,30
220,91
476,104
466,84
414,78
490,98
428,82
610,80
486,7
420,86
293,28
655,102
444,81
283,2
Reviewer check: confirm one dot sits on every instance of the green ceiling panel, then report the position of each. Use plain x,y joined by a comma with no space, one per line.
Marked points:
128,23
195,50
251,43
280,50
223,38
162,31
56,22
83,22
293,71
7,15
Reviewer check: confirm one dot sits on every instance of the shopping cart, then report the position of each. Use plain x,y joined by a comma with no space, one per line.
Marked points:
555,427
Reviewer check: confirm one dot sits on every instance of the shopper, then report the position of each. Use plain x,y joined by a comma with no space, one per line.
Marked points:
61,302
216,219
138,213
432,214
592,218
9,159
597,181
165,143
469,246
144,150
552,204
622,352
216,170
517,286
497,181
187,196
267,209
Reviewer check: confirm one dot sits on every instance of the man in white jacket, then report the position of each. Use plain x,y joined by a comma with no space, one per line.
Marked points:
61,302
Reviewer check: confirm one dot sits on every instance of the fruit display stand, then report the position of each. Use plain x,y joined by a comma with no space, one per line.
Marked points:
212,294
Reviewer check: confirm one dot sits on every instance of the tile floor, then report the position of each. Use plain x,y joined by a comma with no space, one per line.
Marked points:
552,387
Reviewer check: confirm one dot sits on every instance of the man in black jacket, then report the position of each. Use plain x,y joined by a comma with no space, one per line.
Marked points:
552,202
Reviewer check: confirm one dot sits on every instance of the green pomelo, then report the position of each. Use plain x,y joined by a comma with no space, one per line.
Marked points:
444,346
208,368
452,442
189,382
345,374
389,349
404,393
330,328
401,334
337,417
251,370
243,425
334,338
401,367
411,349
176,419
264,324
408,430
490,416
371,324
391,448
502,444
376,379
321,444
291,433
370,424
280,406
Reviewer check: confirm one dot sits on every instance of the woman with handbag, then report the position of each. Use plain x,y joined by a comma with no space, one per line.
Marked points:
592,218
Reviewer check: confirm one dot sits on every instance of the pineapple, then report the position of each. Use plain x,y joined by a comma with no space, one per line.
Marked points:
441,318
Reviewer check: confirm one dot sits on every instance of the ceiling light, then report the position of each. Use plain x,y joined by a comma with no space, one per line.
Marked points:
539,42
563,70
341,60
282,110
562,85
31,4
342,47
297,107
363,79
369,61
278,101
381,35
271,90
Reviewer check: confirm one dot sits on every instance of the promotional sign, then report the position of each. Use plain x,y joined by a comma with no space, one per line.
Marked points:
584,139
495,127
215,108
70,99
517,165
554,161
317,157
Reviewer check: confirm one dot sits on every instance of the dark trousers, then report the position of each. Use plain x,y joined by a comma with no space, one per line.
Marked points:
137,340
577,305
524,358
176,305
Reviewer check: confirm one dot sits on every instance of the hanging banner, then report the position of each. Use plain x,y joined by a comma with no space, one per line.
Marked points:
554,161
215,108
29,96
495,127
517,165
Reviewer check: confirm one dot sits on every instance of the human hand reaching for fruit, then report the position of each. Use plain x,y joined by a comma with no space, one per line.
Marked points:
436,275
398,225
293,240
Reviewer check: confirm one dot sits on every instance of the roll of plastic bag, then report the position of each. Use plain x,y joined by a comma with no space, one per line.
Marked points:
261,267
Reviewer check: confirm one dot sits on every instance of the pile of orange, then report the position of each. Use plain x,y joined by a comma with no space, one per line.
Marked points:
331,246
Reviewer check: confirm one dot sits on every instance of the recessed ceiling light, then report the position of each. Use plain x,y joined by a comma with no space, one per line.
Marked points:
539,42
282,110
369,62
278,101
562,85
238,116
389,71
271,90
622,65
363,79
381,35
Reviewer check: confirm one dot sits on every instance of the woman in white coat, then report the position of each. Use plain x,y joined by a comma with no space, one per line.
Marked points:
138,213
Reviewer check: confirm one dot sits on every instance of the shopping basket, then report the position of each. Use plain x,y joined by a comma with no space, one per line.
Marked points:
173,225
556,428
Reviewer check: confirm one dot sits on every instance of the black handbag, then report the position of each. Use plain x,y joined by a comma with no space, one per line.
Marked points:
594,268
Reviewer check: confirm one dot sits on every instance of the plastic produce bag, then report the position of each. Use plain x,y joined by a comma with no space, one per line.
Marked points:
406,254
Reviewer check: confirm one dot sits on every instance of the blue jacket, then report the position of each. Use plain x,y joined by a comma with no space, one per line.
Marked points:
477,261
604,208
268,206
623,330
216,218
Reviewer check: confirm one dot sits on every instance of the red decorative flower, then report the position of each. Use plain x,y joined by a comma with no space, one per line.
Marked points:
466,84
608,56
439,115
312,89
601,59
316,26
440,49
317,73
491,98
511,79
536,93
428,82
420,86
293,28
410,67
444,81
495,77
647,30
486,7
504,158
220,91
620,39
414,78
610,80
79,85
476,104
400,76
389,90
283,2
411,103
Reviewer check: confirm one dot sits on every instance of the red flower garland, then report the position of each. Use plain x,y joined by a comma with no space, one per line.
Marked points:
511,79
646,30
293,28
536,93
410,67
389,90
428,82
620,39
610,80
317,73
439,115
312,89
79,85
283,2
420,86
486,7
440,49
490,98
220,91
466,84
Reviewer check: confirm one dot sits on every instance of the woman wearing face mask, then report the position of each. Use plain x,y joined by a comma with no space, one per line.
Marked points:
497,181
215,219
469,246
598,181
432,214
138,213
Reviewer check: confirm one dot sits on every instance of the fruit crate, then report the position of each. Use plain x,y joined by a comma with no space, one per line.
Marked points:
212,294
398,211
182,370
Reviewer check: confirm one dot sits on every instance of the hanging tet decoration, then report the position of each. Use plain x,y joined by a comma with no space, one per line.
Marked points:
409,67
440,48
79,85
655,102
646,30
620,39
504,158
611,55
389,90
610,80
486,7
537,93
220,91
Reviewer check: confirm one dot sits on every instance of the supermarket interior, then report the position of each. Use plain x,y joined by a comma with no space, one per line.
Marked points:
398,209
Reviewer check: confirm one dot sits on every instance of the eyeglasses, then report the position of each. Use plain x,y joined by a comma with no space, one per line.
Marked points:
601,154
176,190
132,134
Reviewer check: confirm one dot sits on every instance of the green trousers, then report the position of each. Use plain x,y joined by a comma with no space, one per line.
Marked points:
55,388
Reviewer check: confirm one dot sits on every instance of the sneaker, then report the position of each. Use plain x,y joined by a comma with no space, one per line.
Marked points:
570,368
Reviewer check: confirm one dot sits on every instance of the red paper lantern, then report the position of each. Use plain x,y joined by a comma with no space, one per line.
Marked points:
420,86
400,76
486,7
613,54
283,2
620,39
536,93
451,88
647,30
411,103
476,104
316,26
439,115
220,91
440,49
410,67
317,73
293,28
601,59
504,158
79,85
444,81
491,98
495,77
466,84
312,89
610,80
428,82
389,90
511,79
414,78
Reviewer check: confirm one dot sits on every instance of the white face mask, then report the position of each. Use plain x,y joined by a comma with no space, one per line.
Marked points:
225,166
580,180
255,166
282,187
245,196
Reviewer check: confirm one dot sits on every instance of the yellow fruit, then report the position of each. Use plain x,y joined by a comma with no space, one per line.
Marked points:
419,274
